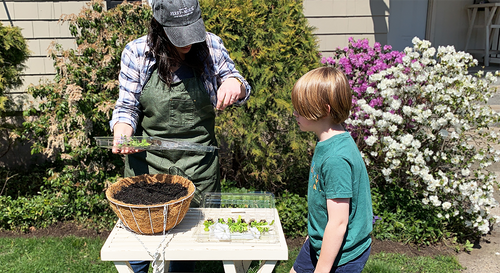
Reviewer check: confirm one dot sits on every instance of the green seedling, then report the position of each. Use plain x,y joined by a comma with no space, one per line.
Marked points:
240,225
135,143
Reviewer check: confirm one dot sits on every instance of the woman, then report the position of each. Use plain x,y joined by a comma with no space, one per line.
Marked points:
170,82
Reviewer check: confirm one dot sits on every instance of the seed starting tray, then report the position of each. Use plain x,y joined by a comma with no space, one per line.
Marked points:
151,143
247,206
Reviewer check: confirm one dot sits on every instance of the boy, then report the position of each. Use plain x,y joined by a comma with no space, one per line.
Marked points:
340,207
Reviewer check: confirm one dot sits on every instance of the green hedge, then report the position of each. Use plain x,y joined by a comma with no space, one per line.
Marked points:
272,46
13,53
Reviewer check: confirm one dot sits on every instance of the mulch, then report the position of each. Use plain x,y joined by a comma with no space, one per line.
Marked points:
63,229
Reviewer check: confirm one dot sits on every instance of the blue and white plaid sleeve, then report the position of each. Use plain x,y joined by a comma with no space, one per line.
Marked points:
127,108
223,68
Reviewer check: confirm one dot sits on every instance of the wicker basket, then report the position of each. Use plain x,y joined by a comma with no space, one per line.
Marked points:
151,219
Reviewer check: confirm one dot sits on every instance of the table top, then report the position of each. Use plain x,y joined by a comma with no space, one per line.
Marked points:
182,244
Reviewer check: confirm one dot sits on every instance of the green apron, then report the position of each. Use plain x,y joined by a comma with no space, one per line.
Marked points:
182,112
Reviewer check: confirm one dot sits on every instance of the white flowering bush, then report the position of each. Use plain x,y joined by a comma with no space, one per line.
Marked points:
431,135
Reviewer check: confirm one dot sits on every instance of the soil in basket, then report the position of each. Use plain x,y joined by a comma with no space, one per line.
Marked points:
143,193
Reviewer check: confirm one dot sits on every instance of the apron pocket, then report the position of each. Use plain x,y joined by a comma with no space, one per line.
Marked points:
181,113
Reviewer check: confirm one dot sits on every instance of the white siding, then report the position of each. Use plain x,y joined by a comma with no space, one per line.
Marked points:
334,22
337,20
40,25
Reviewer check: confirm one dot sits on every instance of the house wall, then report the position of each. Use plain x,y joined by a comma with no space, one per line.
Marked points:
337,20
449,24
39,23
334,21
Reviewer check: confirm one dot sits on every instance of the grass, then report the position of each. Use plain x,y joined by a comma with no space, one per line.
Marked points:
75,254
395,263
48,254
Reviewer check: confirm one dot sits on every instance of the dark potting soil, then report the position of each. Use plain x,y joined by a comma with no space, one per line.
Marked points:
143,193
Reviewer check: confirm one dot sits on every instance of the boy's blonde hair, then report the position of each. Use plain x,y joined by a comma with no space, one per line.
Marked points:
321,87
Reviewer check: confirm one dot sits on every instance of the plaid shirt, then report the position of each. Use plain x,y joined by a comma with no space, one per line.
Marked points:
137,65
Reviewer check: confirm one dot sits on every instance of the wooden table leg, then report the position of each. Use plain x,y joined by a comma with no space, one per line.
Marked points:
123,267
488,18
487,38
236,266
472,20
267,266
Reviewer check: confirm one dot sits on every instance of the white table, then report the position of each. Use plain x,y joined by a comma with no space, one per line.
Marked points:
122,245
490,27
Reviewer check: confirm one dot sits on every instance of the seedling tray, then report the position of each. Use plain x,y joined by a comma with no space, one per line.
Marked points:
151,143
247,206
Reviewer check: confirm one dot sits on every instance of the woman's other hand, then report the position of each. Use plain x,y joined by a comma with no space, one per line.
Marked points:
229,92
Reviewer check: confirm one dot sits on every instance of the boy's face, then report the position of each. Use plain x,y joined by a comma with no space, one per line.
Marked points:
304,124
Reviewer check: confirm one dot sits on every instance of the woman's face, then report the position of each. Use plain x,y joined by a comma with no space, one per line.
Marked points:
183,50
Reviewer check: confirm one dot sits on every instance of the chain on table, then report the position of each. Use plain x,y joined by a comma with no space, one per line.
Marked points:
158,263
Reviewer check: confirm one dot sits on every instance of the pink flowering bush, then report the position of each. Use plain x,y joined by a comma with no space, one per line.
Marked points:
423,126
359,61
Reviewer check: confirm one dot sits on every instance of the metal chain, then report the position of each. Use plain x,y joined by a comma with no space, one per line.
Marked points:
158,263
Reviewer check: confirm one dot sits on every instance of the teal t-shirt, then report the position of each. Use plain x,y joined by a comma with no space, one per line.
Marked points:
338,171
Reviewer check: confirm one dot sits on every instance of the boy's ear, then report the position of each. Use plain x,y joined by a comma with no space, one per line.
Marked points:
328,114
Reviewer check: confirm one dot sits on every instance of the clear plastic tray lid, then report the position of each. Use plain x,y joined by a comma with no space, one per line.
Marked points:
151,143
256,206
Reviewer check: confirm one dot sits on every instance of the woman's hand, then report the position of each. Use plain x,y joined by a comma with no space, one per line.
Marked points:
229,92
122,130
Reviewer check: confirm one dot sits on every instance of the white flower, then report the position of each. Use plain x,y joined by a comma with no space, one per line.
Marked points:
435,200
483,228
446,205
371,140
395,104
407,140
386,171
415,169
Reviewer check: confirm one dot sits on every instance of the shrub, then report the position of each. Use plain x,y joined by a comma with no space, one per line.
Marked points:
292,210
13,53
272,46
77,106
425,133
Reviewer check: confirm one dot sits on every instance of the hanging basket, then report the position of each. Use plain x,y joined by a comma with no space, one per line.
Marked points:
151,219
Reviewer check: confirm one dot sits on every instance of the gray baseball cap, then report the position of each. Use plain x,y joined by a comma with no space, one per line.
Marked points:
181,20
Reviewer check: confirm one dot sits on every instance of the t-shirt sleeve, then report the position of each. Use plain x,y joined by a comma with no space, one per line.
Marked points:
337,177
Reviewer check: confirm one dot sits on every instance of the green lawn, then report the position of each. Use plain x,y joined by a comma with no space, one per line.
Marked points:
47,254
75,254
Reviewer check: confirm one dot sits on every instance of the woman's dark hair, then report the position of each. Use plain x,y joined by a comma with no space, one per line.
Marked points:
167,56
